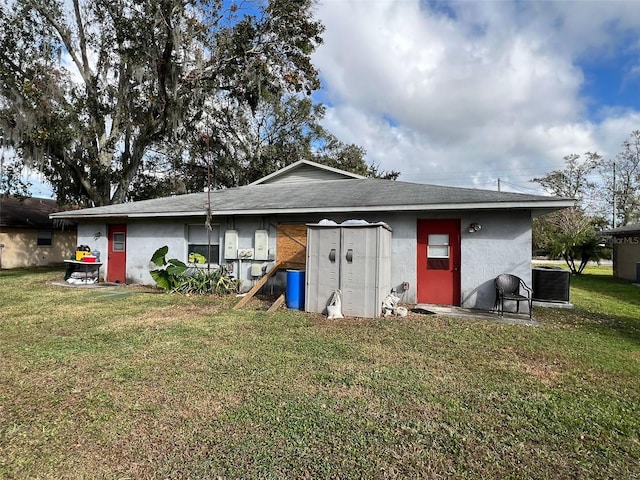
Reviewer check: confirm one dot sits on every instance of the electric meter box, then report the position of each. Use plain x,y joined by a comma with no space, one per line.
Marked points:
231,245
261,245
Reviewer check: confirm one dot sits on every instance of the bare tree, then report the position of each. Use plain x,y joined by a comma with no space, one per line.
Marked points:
621,188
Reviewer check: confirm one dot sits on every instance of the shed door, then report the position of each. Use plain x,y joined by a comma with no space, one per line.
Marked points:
438,262
117,254
359,272
323,267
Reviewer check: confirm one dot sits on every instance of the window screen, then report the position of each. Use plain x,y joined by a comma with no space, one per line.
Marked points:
198,249
45,238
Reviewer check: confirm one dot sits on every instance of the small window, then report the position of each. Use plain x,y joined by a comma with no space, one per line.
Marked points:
119,242
45,238
199,249
438,252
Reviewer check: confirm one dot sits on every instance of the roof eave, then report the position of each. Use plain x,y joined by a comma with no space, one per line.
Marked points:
546,206
86,216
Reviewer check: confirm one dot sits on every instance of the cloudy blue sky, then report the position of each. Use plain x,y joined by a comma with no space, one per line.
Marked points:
464,93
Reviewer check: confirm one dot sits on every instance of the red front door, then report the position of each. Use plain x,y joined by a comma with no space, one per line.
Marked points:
438,279
117,256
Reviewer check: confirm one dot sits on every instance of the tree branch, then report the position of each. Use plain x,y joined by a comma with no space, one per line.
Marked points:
86,73
65,35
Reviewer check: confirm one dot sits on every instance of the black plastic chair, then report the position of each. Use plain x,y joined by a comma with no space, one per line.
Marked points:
510,287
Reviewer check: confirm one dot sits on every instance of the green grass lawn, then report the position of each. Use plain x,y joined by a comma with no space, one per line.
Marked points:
131,383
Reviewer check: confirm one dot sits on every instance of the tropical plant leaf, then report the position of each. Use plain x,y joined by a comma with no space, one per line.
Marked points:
176,267
161,278
159,256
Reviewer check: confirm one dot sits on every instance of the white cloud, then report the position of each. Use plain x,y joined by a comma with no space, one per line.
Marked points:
473,91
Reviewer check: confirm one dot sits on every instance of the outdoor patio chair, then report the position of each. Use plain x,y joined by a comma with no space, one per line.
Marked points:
510,287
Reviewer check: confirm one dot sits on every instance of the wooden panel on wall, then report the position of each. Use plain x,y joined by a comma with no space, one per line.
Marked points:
292,245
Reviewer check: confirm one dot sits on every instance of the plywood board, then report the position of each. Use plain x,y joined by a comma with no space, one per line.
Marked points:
292,245
277,304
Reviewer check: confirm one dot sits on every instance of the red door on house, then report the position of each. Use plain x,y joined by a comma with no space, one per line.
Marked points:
117,254
438,279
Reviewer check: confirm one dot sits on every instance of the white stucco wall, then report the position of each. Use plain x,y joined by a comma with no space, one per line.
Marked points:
503,245
246,228
144,238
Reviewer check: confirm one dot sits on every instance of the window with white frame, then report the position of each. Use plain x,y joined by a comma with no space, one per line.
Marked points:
45,238
438,252
200,249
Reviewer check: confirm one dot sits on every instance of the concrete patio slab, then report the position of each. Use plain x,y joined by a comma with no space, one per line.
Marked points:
459,312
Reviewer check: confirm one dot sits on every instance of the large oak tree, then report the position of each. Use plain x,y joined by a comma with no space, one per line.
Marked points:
92,90
235,146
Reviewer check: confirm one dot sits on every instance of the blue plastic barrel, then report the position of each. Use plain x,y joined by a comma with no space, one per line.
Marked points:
295,289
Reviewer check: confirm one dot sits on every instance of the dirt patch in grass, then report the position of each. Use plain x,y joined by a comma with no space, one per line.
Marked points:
169,315
542,367
543,372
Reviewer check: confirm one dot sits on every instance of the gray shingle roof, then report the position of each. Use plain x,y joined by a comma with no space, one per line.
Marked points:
327,196
29,212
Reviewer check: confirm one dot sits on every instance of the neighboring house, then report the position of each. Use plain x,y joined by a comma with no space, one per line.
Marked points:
455,239
626,251
28,237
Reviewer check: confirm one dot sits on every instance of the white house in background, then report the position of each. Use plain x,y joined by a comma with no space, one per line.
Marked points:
448,244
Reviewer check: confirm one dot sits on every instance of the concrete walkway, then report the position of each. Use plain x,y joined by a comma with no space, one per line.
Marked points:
459,312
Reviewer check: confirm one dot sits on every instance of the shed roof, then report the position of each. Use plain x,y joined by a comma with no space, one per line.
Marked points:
631,229
328,196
